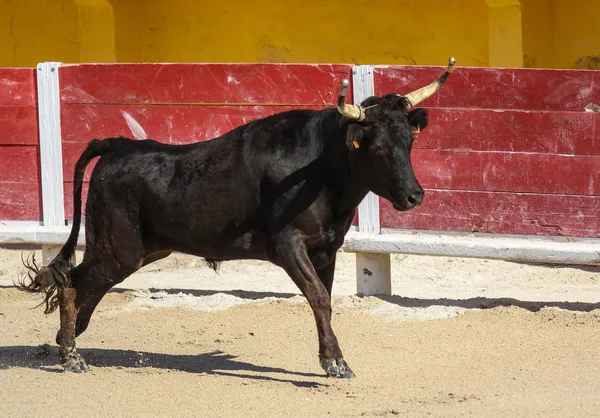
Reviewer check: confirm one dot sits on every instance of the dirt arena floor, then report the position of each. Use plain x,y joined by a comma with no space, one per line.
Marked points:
458,338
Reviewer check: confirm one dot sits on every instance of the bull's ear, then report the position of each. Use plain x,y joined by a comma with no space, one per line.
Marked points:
354,136
418,119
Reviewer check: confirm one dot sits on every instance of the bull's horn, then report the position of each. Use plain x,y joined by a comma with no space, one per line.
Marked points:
417,96
355,112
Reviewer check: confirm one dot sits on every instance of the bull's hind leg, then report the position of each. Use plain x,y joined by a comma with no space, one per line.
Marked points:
114,250
69,358
77,303
94,282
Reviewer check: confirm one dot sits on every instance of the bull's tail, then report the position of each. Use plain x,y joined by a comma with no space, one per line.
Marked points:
55,277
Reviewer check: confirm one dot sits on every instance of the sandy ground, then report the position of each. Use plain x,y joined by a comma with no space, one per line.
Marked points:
458,337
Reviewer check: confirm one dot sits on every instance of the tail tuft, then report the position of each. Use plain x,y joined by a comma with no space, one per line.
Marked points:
50,280
53,279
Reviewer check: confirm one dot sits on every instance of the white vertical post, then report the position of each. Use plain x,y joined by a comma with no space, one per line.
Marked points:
368,209
50,151
373,271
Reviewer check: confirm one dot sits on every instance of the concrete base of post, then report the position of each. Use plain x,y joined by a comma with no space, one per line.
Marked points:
373,273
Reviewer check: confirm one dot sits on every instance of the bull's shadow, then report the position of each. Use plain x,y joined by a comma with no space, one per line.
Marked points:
45,357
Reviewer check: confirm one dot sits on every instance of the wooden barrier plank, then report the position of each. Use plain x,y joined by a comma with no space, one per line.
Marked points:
495,88
491,130
20,201
508,171
498,212
175,124
18,87
506,151
20,197
19,164
19,125
296,84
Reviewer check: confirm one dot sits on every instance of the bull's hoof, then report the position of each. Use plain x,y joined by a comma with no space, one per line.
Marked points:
337,368
74,363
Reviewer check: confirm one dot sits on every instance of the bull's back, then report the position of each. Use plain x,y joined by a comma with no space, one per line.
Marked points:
186,196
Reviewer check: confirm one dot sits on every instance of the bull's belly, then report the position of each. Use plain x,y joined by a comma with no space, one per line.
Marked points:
214,245
223,253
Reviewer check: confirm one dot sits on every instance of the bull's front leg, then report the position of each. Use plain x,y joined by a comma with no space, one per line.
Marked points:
291,254
70,359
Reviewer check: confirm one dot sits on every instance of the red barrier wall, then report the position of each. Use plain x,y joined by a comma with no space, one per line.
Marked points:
20,191
182,103
506,151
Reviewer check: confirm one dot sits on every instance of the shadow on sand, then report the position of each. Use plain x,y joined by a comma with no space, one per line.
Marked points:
45,357
488,303
471,303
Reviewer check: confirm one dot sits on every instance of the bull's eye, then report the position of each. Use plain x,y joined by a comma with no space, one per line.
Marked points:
376,149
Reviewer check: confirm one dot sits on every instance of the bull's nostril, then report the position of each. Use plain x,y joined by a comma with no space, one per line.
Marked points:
415,199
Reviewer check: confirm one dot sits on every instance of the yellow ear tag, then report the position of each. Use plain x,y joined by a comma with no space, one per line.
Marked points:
355,143
417,129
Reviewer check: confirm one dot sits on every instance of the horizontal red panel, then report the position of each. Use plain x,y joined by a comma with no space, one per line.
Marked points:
511,213
508,171
19,125
523,131
297,84
175,124
20,202
19,164
496,88
18,87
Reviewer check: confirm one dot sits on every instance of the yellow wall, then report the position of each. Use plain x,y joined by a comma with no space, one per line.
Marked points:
577,33
55,30
538,35
531,33
505,33
30,34
378,31
96,30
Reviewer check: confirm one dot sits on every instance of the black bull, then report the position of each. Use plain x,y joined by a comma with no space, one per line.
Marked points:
284,189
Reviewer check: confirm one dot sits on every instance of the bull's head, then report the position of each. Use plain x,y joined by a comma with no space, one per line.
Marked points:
381,141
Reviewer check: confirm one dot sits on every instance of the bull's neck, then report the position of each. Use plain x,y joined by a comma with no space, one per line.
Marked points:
347,182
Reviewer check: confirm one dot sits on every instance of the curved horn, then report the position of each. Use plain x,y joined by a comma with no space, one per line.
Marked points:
355,112
417,96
